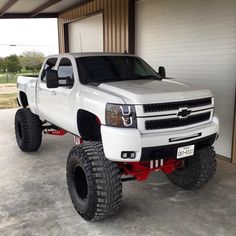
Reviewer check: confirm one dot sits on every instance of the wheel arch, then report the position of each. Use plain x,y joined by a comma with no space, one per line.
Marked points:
88,125
23,99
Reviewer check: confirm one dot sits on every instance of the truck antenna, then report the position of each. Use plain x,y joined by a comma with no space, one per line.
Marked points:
80,43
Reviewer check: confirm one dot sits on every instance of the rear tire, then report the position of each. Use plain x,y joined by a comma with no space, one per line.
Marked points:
197,170
28,130
94,182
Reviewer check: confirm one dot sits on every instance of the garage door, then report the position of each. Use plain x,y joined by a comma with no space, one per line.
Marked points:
86,35
196,42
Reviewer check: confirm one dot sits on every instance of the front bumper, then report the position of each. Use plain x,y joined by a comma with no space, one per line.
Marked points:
156,145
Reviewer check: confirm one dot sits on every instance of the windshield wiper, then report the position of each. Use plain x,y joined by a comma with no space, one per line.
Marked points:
100,81
147,77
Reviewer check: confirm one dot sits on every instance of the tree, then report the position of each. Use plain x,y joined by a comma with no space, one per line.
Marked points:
12,64
2,64
32,60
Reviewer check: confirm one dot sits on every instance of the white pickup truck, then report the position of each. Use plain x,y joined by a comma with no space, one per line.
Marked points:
128,120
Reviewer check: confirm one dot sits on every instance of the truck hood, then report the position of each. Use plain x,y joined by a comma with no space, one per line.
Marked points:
153,91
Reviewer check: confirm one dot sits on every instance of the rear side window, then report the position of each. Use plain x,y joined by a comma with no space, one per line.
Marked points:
49,65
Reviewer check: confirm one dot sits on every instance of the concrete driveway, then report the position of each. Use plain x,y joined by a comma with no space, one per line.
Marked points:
34,199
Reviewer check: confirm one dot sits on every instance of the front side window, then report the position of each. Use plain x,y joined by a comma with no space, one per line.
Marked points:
102,69
49,65
65,73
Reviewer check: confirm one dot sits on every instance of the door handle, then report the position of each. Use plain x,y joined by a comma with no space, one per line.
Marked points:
39,89
53,93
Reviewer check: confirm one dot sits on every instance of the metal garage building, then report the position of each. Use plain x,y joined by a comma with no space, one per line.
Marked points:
194,39
196,42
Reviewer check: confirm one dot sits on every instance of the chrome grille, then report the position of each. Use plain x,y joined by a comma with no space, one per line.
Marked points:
176,122
168,106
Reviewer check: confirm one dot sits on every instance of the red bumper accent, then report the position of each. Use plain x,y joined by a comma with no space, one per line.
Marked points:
59,132
141,170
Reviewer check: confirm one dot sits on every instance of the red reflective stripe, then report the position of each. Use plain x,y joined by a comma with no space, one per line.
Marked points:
81,140
78,140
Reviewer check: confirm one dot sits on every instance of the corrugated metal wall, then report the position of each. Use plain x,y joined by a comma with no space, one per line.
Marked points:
116,22
196,41
234,136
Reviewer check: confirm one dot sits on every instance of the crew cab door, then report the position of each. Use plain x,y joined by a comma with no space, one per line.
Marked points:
43,94
59,109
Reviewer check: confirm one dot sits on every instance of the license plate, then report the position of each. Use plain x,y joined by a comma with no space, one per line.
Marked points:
185,151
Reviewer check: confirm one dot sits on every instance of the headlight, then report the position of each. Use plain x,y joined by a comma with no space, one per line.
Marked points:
121,115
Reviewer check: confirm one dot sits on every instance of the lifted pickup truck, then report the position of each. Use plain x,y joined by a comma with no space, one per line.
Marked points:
128,120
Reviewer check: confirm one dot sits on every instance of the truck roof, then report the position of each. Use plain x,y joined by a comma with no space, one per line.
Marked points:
86,54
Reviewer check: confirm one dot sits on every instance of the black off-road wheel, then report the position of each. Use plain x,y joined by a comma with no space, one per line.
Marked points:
196,170
94,182
28,129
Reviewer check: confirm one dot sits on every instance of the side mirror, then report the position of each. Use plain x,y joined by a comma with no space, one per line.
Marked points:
162,71
52,79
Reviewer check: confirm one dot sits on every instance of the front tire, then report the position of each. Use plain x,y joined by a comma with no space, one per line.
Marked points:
196,171
28,130
94,182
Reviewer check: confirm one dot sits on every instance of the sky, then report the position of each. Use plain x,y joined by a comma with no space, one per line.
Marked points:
28,34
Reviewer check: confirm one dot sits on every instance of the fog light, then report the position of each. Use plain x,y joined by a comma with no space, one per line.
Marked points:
128,155
132,155
124,155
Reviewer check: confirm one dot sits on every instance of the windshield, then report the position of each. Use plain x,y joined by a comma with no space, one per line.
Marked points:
102,69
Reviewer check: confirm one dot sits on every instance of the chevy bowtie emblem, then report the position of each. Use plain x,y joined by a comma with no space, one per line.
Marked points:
183,113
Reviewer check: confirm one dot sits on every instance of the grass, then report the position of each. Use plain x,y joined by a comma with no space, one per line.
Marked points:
8,101
11,79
